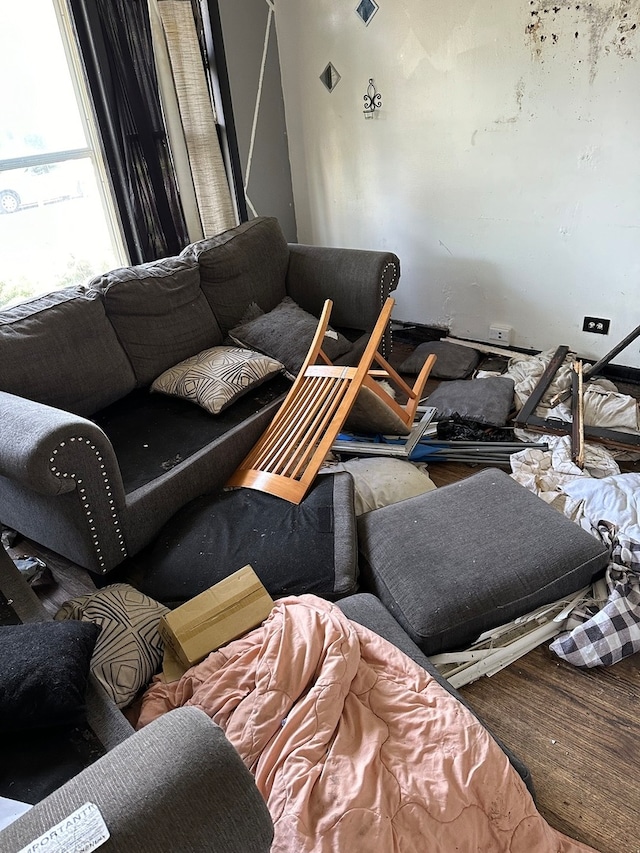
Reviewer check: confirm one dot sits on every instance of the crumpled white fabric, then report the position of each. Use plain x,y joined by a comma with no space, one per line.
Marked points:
526,370
603,407
545,472
614,499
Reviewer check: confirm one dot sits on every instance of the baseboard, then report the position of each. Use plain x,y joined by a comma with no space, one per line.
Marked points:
420,333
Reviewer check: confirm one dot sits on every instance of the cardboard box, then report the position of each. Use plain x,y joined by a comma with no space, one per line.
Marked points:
172,668
222,613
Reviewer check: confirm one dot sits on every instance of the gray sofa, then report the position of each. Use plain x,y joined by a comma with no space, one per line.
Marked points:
91,464
178,784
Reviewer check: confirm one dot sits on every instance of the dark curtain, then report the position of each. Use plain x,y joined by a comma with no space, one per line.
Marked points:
115,42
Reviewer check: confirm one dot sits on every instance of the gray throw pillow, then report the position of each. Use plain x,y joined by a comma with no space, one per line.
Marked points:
453,360
487,401
286,334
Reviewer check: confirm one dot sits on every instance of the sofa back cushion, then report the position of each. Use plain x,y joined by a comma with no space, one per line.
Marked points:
159,313
240,266
60,349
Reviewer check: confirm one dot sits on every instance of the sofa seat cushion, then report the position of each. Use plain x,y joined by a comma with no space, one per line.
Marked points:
294,548
371,415
159,312
61,350
152,433
466,558
240,266
215,378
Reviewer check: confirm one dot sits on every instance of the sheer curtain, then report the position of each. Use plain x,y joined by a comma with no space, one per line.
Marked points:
115,41
208,182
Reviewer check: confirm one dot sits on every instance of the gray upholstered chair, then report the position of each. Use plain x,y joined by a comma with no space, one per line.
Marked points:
177,784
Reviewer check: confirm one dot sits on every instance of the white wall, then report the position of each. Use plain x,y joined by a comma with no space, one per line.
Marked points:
503,167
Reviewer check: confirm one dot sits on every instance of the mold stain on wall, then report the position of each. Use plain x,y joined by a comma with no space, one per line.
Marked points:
519,95
606,25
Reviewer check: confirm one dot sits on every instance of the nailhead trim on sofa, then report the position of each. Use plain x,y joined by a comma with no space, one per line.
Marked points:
85,500
383,296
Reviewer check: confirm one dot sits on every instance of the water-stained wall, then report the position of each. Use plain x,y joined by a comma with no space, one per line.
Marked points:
502,166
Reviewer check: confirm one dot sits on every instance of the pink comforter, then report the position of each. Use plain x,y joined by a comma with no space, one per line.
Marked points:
354,746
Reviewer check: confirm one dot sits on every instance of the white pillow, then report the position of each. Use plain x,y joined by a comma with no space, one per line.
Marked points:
215,377
381,480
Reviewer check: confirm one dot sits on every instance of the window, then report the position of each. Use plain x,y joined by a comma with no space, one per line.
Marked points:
57,224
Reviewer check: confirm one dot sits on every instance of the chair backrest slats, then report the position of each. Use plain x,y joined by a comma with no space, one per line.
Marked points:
288,455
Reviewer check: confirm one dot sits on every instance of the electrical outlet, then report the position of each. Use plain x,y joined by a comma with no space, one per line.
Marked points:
597,325
500,332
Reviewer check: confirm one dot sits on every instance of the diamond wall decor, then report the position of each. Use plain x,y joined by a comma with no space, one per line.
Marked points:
366,10
330,77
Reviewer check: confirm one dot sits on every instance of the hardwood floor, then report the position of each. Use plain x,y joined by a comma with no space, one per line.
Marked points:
577,730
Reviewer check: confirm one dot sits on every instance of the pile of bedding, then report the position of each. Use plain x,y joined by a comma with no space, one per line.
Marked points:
604,406
354,746
604,627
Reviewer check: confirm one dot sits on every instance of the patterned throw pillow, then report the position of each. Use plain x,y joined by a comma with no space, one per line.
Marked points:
128,651
216,377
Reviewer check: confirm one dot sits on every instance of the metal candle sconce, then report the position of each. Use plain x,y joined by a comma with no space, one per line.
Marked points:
372,100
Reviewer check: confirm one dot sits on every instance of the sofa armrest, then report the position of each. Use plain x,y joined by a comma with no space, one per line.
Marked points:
33,435
62,456
358,281
177,784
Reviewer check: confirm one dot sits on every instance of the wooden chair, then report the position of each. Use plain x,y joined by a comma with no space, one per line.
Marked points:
288,455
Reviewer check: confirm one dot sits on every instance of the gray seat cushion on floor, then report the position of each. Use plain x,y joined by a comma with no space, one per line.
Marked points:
468,557
453,360
368,610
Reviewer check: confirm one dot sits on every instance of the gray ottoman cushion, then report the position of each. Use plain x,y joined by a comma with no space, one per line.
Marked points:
468,557
453,360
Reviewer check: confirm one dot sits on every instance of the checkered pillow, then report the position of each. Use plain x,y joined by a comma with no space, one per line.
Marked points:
613,633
